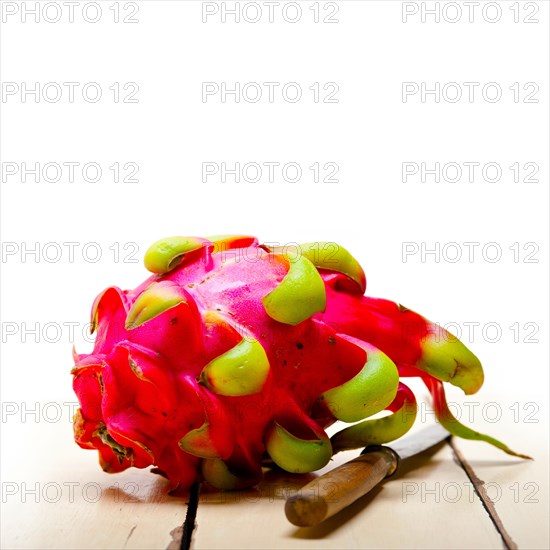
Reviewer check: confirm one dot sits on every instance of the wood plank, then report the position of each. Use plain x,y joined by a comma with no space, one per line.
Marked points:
430,506
518,488
403,513
55,495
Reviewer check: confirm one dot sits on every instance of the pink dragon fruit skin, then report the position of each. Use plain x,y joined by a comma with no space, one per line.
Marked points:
233,351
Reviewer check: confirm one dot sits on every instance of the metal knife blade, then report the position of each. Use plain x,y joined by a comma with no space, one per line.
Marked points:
333,491
419,442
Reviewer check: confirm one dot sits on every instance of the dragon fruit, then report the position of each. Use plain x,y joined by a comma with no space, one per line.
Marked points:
233,354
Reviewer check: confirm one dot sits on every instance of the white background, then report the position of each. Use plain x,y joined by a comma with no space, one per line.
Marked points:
369,133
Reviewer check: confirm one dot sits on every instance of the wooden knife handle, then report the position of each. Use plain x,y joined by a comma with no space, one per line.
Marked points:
333,491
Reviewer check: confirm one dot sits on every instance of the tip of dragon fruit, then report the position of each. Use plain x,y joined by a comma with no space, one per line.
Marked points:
446,358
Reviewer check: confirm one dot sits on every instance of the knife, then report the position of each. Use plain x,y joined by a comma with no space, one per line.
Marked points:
328,494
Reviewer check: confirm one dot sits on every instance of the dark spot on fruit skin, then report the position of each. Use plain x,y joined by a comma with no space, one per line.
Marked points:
174,320
164,414
284,362
299,345
331,340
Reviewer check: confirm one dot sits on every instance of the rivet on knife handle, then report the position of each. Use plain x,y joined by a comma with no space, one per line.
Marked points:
331,492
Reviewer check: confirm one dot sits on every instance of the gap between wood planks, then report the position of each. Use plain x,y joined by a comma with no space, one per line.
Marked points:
479,488
182,536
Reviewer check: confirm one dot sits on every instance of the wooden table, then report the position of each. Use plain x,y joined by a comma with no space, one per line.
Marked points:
54,495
